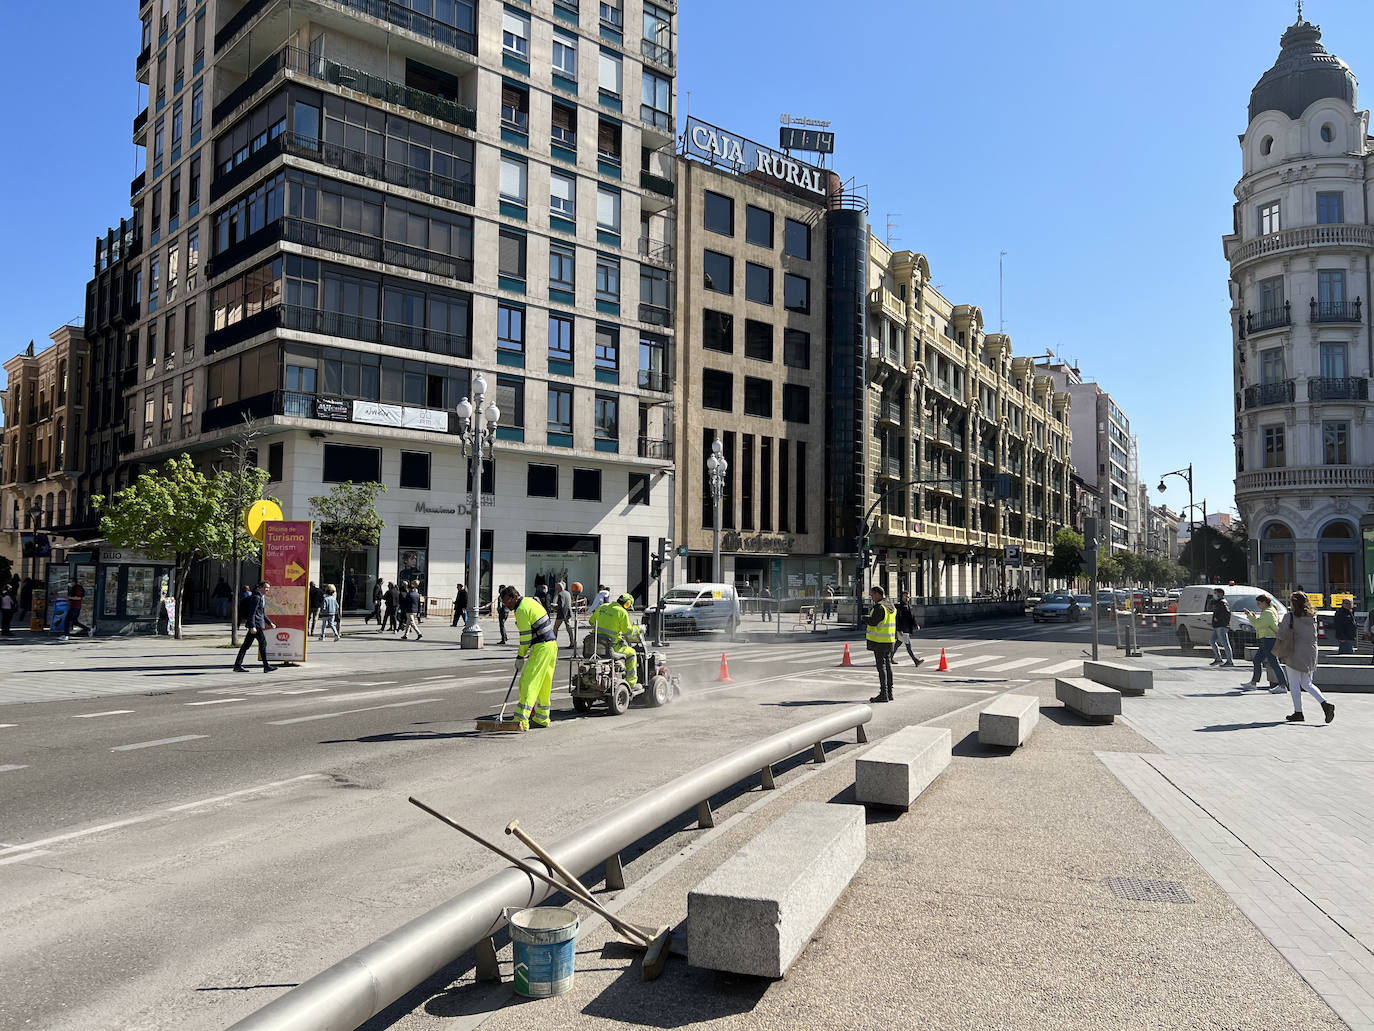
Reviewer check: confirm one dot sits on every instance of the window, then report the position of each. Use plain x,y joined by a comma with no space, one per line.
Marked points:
193,197
560,410
1271,297
656,100
1330,293
349,462
718,213
515,107
562,194
510,328
717,390
514,179
608,209
197,107
796,293
638,493
607,278
565,53
510,398
718,331
608,142
154,280
159,140
156,210
562,266
563,125
758,283
415,470
1333,361
718,272
796,403
586,485
802,499
765,483
796,349
758,226
560,337
1336,443
746,481
542,481
515,33
612,15
654,290
1330,208
758,340
1273,448
276,453
511,253
176,126
609,75
658,28
1327,133
797,239
608,348
758,397
1269,218
607,417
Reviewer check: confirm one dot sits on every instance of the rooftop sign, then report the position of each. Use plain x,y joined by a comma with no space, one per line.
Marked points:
718,147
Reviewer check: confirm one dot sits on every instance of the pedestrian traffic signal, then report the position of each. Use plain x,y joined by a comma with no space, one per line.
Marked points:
655,567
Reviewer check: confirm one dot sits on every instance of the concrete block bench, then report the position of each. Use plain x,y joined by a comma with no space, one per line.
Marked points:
901,766
1009,720
756,912
1130,680
1090,700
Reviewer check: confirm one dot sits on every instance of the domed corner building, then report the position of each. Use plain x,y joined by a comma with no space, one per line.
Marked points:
1300,252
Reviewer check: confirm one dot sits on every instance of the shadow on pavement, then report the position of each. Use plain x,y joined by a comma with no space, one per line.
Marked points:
697,996
1217,728
971,748
243,987
872,814
803,703
1066,717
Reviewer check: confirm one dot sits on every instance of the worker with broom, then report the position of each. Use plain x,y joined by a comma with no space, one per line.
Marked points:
612,625
539,650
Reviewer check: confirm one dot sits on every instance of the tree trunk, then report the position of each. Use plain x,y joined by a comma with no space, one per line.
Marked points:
238,590
178,592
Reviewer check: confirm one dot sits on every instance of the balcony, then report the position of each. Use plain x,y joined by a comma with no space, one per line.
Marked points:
1262,394
136,185
658,184
333,324
1270,318
1306,238
658,127
890,413
1335,311
656,315
656,54
657,380
140,123
385,10
654,448
656,253
1318,478
890,468
141,64
291,403
1342,388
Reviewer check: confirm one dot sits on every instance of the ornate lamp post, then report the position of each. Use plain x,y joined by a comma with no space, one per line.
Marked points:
716,465
477,432
1187,475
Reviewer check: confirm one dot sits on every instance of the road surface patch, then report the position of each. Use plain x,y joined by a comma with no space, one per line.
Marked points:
349,712
160,741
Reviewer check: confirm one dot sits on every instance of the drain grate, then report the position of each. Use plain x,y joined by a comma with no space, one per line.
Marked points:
1148,891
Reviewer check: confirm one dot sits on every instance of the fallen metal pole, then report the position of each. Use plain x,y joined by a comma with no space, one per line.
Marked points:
357,988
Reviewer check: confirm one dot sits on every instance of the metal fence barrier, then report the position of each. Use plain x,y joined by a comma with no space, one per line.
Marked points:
362,985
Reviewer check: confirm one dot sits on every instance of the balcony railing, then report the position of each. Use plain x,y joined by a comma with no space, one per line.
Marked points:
236,24
1262,394
655,252
655,315
658,184
136,184
660,120
656,380
890,467
1269,318
1341,388
652,447
385,10
141,64
891,412
659,55
1342,235
140,120
330,323
1335,311
1320,477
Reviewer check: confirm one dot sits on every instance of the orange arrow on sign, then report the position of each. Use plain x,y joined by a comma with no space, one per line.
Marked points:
294,570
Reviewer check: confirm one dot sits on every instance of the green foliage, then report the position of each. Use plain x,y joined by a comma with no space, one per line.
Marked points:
346,518
1132,566
1067,562
236,488
1109,569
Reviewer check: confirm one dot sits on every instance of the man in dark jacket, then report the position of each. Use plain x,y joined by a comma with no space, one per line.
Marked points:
1221,631
1343,624
316,600
460,605
376,612
563,612
881,634
257,625
410,611
906,626
389,599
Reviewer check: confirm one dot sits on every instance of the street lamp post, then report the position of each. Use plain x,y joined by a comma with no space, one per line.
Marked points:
477,431
1186,475
36,516
716,465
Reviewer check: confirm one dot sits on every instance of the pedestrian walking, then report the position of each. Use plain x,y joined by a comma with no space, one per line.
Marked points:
539,649
376,612
1296,644
390,600
316,597
329,612
541,594
256,624
9,605
1266,630
1343,623
501,613
882,640
222,595
460,605
1221,632
76,595
602,596
410,610
906,626
563,612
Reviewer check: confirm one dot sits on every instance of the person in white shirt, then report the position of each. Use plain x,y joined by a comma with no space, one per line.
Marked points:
602,597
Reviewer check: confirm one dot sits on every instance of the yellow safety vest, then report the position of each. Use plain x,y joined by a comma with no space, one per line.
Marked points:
886,631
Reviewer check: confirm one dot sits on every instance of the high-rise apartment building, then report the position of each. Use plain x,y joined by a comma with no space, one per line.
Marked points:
350,208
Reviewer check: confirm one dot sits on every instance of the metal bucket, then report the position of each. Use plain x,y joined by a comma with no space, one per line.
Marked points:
544,941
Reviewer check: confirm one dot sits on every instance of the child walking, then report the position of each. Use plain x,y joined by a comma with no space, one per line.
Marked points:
329,612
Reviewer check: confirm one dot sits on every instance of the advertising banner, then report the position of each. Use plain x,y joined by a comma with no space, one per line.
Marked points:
286,566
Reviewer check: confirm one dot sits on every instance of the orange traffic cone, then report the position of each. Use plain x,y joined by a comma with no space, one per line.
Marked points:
846,661
724,677
944,663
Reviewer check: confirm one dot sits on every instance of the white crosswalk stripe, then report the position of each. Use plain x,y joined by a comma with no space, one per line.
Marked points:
1013,664
1059,667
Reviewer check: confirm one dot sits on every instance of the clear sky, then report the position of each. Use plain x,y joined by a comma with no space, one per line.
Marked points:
1095,143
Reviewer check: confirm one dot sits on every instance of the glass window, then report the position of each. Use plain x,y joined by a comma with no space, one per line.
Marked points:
758,340
1336,443
656,96
563,194
607,278
638,493
542,481
1271,297
510,398
608,141
560,410
1333,361
607,417
608,209
515,107
515,33
563,125
613,14
796,403
797,239
718,272
510,328
560,337
609,74
565,53
718,331
1273,448
1330,208
1330,292
562,266
796,348
514,179
718,213
415,470
796,293
608,348
1269,221
511,253
717,390
758,283
758,397
758,226
586,484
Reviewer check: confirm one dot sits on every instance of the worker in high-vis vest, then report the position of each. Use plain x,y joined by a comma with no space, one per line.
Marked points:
614,628
539,649
882,640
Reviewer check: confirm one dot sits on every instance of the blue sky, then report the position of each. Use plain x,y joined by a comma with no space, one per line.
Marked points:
1094,143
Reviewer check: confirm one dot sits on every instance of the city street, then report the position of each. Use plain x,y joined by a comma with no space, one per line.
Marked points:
180,850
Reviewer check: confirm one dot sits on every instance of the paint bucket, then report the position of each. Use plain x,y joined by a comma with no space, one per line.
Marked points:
544,941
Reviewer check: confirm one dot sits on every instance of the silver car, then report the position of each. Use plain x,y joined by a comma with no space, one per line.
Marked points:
1063,605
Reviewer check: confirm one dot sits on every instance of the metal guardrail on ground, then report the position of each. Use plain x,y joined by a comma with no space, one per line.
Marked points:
362,985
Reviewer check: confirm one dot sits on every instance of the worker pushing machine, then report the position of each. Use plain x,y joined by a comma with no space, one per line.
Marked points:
613,626
539,650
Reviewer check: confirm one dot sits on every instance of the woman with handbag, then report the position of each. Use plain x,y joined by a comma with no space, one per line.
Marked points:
1266,631
1297,647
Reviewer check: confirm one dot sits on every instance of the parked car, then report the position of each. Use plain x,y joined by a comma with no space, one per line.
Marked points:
1062,605
689,608
1193,621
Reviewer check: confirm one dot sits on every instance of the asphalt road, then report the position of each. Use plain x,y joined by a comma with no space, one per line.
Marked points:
174,859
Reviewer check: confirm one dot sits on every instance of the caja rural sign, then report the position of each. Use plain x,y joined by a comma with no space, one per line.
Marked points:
713,144
286,566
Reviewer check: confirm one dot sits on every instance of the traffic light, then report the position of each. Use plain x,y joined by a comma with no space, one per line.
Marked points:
655,567
665,547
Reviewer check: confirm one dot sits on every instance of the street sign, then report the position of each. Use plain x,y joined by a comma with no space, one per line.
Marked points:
1011,556
286,566
683,551
260,512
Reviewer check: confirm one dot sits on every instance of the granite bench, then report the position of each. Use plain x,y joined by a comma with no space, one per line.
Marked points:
1008,720
757,911
1088,699
1130,680
897,769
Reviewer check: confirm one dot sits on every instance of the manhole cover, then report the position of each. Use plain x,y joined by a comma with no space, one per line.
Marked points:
1148,891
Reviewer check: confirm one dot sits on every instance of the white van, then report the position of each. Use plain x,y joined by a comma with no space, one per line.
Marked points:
1193,619
689,608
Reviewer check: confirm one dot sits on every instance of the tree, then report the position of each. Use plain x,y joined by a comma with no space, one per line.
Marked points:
1109,569
1132,566
1067,562
169,513
239,484
346,520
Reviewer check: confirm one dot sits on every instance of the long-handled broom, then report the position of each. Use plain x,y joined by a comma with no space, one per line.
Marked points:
500,724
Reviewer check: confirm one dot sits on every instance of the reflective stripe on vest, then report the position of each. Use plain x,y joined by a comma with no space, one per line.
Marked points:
886,631
540,628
